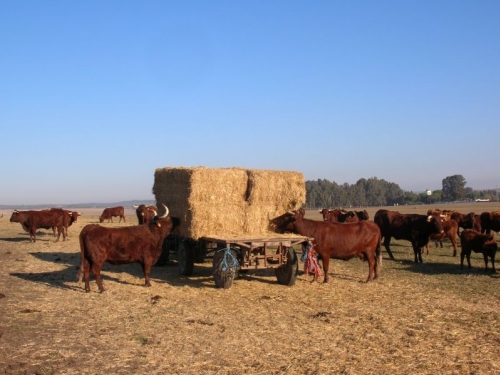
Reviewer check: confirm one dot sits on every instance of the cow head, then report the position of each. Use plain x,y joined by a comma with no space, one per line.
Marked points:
157,219
286,223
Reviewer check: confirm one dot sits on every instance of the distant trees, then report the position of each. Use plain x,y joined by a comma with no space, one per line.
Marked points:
454,188
378,192
365,192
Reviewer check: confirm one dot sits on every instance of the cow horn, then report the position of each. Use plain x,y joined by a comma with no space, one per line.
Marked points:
165,214
135,206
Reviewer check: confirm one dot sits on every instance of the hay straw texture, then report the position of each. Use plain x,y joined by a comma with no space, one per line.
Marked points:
227,201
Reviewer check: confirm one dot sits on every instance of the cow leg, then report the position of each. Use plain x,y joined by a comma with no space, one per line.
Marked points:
418,254
493,263
485,257
387,242
96,270
86,275
326,261
146,268
372,264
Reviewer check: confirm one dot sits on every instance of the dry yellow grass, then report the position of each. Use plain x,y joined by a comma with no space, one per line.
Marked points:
416,319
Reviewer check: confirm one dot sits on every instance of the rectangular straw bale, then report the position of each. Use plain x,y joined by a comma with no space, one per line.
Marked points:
227,202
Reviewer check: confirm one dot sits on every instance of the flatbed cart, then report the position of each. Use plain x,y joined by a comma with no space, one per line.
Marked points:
234,255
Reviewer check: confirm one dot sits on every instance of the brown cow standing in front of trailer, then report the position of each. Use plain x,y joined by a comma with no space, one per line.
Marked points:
137,244
109,212
479,243
336,240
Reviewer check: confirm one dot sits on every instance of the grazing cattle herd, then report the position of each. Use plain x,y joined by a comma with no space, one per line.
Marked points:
343,234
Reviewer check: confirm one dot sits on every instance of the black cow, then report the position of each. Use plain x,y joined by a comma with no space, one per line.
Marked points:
411,227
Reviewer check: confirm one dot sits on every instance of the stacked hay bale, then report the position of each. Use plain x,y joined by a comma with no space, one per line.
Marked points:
224,202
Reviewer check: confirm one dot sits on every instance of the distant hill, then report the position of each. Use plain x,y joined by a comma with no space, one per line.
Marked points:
126,204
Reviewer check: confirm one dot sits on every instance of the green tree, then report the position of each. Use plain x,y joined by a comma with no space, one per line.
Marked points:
454,188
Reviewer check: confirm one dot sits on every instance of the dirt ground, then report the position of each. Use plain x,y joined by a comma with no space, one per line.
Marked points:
416,319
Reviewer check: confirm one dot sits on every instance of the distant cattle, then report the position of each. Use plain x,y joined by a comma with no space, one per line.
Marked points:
145,213
486,244
411,227
136,244
336,240
339,215
32,220
108,213
70,217
490,221
465,221
450,231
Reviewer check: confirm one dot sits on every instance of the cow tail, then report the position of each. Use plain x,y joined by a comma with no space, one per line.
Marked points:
79,275
378,252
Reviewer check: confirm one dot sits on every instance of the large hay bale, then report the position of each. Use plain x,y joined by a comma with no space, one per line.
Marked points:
227,201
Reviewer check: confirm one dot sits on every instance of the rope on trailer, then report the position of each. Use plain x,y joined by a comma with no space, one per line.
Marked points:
228,263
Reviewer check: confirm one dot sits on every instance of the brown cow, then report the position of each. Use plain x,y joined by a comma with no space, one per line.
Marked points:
450,231
411,227
465,221
70,217
479,243
137,244
31,221
490,221
109,212
145,213
335,240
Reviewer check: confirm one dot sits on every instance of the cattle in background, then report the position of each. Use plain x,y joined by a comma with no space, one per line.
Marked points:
411,227
490,221
336,240
108,213
339,215
136,244
464,221
70,217
145,213
450,231
32,220
486,244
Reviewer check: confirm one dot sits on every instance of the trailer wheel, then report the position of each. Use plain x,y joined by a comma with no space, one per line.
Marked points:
224,275
287,273
186,258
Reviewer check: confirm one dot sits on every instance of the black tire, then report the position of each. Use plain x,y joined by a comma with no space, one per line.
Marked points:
224,280
287,273
185,258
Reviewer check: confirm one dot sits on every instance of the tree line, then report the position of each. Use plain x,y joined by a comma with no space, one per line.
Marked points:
378,192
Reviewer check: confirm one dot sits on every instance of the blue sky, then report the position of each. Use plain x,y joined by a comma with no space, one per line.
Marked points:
96,95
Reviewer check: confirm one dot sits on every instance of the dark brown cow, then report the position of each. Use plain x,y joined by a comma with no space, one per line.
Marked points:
490,221
339,215
70,217
31,221
145,213
450,231
465,221
109,212
335,240
411,227
479,243
137,244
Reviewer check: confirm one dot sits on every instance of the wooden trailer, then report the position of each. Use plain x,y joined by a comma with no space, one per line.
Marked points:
224,216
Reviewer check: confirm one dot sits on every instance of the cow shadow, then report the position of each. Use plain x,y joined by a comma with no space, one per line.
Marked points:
441,268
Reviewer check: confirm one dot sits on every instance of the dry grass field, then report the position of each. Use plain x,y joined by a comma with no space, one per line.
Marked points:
428,318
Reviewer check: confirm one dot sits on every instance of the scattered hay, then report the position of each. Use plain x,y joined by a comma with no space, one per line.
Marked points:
227,201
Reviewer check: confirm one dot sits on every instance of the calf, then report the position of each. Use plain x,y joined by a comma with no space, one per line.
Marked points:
479,243
450,231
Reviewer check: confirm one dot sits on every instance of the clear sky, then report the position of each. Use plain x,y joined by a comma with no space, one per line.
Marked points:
95,95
